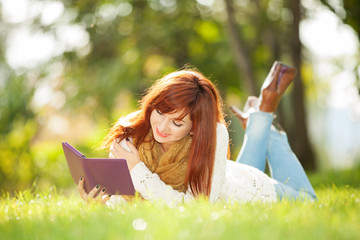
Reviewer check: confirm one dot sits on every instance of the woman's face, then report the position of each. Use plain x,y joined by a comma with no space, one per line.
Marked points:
167,129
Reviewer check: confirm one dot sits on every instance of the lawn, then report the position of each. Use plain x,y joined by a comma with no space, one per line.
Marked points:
52,215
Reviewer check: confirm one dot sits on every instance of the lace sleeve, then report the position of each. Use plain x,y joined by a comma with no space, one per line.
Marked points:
152,188
222,142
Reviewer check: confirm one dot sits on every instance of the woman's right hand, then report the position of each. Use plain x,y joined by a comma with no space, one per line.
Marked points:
91,196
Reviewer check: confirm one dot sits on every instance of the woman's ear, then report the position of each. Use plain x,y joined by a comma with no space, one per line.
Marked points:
191,133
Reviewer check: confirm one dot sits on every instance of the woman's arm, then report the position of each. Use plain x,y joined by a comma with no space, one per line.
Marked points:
152,188
147,183
218,177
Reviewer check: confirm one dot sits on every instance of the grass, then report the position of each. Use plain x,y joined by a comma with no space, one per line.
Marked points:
52,215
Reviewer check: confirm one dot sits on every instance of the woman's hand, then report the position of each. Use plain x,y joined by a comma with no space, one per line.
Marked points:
91,196
117,151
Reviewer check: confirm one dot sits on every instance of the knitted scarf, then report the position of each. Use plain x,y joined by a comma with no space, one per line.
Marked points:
171,166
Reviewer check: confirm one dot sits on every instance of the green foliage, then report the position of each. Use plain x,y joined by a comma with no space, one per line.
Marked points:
15,97
132,50
17,128
17,164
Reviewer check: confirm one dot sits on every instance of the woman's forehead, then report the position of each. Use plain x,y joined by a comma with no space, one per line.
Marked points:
179,114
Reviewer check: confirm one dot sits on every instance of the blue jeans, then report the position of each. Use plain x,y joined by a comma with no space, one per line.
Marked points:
261,142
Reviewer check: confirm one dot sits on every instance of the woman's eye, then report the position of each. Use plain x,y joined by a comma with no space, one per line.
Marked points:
158,111
177,124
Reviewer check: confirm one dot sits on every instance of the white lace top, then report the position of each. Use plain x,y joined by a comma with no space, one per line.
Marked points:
230,181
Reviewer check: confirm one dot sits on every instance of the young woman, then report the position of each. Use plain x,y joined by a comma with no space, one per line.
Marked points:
178,145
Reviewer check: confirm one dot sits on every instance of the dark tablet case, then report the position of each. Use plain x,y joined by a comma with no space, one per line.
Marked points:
111,173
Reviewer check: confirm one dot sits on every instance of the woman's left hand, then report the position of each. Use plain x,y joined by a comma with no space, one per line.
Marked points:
117,151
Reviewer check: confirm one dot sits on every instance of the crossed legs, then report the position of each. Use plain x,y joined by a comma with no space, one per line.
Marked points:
263,142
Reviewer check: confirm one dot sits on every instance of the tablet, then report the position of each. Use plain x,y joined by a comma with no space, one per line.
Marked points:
111,173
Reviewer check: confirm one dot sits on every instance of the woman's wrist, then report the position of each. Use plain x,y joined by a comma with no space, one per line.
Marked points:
132,165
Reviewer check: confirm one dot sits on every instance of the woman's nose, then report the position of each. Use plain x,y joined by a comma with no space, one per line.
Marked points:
164,125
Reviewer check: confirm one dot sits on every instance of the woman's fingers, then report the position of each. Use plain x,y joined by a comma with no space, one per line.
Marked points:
93,192
116,146
112,150
131,146
81,188
102,197
116,150
102,193
120,151
105,199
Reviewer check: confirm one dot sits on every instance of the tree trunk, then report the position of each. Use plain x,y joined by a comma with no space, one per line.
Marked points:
242,57
301,144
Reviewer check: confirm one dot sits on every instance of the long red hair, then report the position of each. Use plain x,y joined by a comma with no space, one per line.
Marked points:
193,94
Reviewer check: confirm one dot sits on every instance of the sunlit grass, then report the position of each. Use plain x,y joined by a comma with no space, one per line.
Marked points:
51,215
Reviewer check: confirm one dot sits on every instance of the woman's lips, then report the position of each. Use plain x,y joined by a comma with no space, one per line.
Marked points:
161,134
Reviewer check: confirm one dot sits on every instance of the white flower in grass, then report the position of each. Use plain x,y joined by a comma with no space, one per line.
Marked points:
139,224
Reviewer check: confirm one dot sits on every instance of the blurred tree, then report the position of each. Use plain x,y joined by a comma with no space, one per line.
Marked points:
299,135
280,35
242,57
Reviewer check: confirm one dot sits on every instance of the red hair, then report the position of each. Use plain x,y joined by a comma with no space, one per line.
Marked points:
194,95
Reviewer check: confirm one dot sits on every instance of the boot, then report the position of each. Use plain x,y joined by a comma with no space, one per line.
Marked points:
274,86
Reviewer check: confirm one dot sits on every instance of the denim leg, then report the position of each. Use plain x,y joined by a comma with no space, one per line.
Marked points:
254,149
286,169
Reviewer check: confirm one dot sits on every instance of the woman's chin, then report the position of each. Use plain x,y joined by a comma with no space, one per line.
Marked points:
160,139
